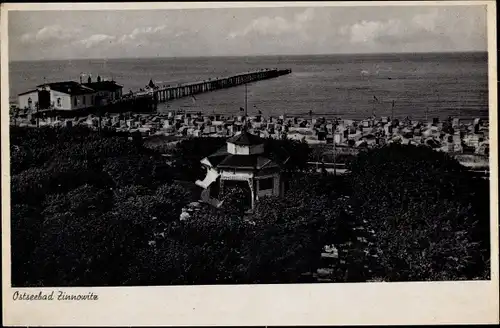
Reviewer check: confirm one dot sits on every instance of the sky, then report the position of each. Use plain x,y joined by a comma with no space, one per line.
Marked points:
44,35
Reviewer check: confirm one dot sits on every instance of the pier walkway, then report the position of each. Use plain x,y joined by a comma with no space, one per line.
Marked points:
145,101
163,94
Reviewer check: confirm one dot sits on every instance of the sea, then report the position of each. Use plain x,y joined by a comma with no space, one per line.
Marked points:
419,86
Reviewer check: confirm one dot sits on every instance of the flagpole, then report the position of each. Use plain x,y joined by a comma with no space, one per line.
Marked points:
460,109
334,156
335,146
246,101
392,111
373,107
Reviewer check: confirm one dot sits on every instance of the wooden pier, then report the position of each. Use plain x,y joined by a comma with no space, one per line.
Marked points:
146,101
163,94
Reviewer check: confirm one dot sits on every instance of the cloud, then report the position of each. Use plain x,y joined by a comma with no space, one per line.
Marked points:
265,26
92,34
141,33
139,36
95,40
277,25
51,33
305,16
368,31
427,21
440,27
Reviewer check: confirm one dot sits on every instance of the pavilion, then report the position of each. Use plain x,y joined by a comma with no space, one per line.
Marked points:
242,162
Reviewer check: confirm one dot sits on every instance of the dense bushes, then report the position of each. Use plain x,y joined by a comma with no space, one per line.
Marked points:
100,209
429,218
88,208
83,205
188,153
279,242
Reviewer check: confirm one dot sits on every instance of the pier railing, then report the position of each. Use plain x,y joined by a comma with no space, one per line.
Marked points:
163,94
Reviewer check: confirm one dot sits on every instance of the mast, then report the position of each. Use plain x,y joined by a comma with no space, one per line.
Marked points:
99,117
460,108
439,103
334,157
392,111
373,107
335,143
246,101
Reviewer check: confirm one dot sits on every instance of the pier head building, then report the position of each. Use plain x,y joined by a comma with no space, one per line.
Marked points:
70,95
105,91
242,162
67,95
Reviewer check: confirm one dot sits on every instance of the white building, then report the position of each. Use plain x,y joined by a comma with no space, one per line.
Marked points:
241,162
69,95
61,96
105,91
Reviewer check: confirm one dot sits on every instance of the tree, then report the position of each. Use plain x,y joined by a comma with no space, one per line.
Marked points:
281,246
173,197
295,152
214,238
429,245
188,153
417,204
99,209
140,169
26,224
85,206
290,233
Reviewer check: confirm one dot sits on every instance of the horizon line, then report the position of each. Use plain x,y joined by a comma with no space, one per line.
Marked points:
261,55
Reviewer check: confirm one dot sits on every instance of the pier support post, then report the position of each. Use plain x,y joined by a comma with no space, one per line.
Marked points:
179,91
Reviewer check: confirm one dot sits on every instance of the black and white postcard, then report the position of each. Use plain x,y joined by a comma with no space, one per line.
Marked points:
249,163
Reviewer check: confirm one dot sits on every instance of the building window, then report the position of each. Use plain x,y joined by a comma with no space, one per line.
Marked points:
84,99
75,101
30,102
266,184
59,102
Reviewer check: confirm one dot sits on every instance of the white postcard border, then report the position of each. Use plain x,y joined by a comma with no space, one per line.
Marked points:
311,304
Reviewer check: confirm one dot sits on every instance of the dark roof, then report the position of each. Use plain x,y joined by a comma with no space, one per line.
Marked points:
218,156
245,162
279,155
25,93
103,86
245,138
69,87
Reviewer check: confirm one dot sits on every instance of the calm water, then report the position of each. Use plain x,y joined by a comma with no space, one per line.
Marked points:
439,84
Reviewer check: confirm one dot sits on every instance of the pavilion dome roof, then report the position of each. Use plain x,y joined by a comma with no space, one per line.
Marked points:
245,138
